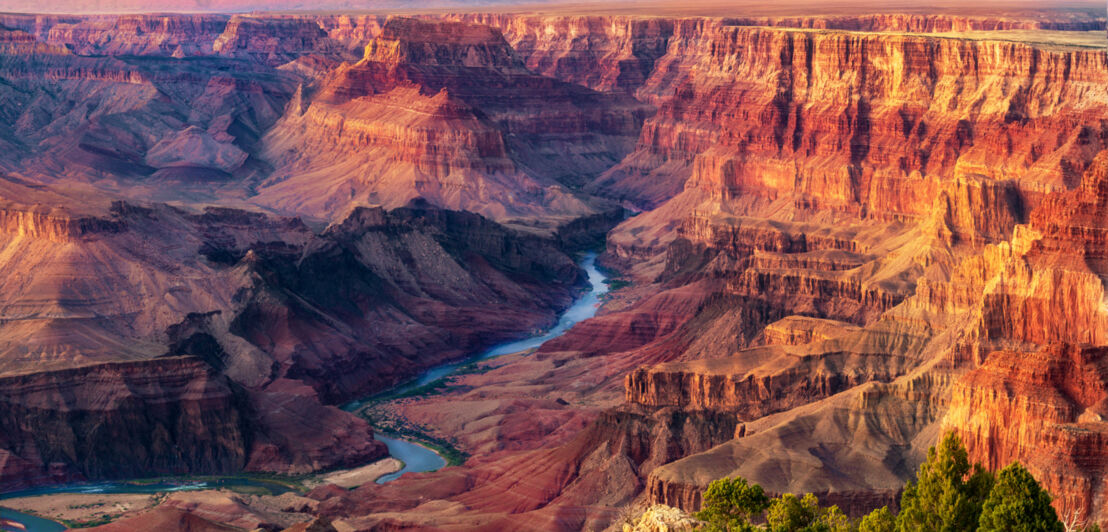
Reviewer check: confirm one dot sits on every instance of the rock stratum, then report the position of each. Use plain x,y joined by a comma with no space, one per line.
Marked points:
850,233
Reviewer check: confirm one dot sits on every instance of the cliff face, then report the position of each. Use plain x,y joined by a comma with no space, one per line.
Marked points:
866,217
1045,409
944,208
168,416
80,118
419,285
602,53
57,228
739,108
261,324
138,35
267,39
858,230
125,419
1015,308
447,112
273,40
934,23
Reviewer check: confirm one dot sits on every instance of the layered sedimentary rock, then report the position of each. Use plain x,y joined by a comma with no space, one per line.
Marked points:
261,322
603,53
124,418
265,38
913,247
803,307
273,39
1043,406
138,35
757,111
1046,410
935,23
1043,288
447,112
74,118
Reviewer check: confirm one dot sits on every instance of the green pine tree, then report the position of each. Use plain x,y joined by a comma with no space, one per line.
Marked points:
730,503
879,520
948,492
1018,504
788,513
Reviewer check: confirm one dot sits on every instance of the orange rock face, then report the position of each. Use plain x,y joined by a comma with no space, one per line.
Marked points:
792,127
1044,409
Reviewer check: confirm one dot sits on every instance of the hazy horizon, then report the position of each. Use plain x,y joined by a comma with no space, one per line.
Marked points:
701,7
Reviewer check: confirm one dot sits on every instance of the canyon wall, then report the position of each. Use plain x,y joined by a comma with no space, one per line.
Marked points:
261,324
446,111
860,122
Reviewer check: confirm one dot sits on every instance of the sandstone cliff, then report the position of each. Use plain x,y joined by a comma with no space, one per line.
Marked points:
445,111
757,111
261,322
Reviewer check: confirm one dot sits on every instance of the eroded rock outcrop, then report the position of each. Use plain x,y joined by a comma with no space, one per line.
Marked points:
858,234
1046,410
445,111
738,105
263,322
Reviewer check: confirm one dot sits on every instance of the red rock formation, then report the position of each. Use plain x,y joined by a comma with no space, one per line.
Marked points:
799,330
738,108
273,40
851,215
1046,410
261,322
1044,407
603,53
138,34
445,111
929,310
125,419
934,23
54,227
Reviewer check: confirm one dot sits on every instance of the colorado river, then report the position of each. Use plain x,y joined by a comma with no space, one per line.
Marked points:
583,309
38,524
29,523
418,458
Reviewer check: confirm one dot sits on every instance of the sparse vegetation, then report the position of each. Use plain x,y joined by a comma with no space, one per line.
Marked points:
384,421
949,495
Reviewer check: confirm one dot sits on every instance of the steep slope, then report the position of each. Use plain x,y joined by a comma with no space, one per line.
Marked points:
1044,406
154,340
858,231
765,112
446,112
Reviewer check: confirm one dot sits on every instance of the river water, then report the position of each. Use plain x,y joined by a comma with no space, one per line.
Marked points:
38,524
29,523
417,458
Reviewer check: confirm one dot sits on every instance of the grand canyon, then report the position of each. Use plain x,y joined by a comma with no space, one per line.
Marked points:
262,243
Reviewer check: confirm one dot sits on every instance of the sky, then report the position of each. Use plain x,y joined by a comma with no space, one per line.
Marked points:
667,6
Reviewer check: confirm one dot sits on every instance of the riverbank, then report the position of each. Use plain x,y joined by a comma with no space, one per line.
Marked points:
79,510
412,450
420,444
